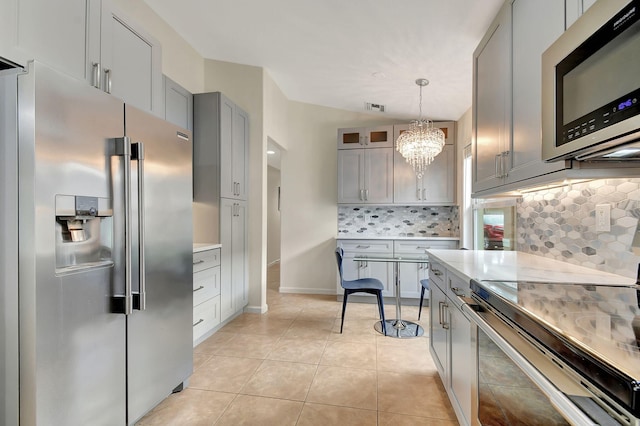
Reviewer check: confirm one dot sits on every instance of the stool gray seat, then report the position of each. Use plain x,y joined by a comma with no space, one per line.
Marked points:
425,286
362,285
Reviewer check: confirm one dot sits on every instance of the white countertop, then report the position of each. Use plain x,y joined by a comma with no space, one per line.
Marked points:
389,237
518,266
198,247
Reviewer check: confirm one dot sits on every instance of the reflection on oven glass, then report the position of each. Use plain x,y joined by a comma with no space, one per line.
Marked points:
506,396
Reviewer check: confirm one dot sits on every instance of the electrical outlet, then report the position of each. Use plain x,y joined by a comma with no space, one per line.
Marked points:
603,218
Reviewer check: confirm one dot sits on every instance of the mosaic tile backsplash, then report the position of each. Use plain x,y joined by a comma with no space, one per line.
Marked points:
398,221
560,223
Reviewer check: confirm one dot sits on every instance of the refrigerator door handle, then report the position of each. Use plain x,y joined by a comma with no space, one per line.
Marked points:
137,153
124,304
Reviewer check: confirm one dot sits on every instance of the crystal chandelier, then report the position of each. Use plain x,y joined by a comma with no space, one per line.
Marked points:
422,142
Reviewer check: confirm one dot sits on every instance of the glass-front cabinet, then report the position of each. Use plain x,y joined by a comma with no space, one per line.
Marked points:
366,137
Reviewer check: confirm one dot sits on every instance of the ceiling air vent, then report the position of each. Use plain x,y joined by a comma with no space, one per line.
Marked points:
373,107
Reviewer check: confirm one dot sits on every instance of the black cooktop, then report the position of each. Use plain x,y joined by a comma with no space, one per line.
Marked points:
594,329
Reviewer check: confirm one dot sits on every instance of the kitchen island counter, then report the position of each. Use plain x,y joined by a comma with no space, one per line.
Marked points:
518,266
393,238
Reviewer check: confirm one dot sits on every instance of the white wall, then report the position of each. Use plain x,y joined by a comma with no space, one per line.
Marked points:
273,215
308,205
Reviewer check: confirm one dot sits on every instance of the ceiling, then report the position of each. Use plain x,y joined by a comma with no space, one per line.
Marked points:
345,53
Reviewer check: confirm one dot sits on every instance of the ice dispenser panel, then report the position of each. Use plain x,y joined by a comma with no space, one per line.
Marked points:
84,233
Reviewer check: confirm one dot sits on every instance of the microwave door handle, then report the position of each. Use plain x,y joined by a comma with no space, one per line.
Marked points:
137,152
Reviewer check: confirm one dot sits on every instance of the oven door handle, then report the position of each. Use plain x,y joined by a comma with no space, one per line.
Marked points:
558,399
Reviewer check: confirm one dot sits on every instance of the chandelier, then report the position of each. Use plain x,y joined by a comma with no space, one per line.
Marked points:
422,142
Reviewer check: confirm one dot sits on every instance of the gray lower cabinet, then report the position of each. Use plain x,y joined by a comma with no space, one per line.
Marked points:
353,270
412,273
91,40
233,237
450,338
206,293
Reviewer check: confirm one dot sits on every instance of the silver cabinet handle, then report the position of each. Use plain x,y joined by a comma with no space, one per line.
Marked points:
445,306
366,195
424,194
436,272
505,168
440,312
362,247
423,248
198,289
418,193
497,164
198,322
457,291
107,80
197,262
366,140
96,74
137,153
362,194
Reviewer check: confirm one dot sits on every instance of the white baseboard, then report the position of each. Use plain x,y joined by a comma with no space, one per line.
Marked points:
301,290
255,309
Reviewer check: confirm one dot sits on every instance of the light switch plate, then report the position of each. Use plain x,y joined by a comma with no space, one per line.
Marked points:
603,218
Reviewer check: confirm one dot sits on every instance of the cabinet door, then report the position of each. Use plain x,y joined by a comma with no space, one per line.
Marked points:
227,211
240,149
239,256
53,32
227,182
438,334
178,104
378,175
366,137
491,102
410,276
437,186
405,182
382,271
350,176
131,62
461,363
529,42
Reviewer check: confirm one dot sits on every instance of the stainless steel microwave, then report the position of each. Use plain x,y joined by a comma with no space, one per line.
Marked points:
591,86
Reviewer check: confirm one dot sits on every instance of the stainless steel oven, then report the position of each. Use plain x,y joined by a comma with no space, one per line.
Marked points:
519,378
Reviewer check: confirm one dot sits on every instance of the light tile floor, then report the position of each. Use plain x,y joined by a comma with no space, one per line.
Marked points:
292,366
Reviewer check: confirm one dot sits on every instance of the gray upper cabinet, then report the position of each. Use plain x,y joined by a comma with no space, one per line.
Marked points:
366,137
437,185
220,126
53,32
128,63
529,42
178,104
506,127
365,176
90,40
492,103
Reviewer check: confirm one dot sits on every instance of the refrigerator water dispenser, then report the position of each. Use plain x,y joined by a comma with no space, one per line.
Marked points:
84,233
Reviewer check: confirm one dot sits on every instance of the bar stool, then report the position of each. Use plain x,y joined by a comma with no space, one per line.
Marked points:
425,286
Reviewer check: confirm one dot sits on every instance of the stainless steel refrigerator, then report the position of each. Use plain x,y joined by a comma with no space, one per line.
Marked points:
104,252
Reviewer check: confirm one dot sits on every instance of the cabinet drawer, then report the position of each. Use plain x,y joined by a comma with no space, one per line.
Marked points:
206,284
206,259
366,246
418,247
437,275
205,317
